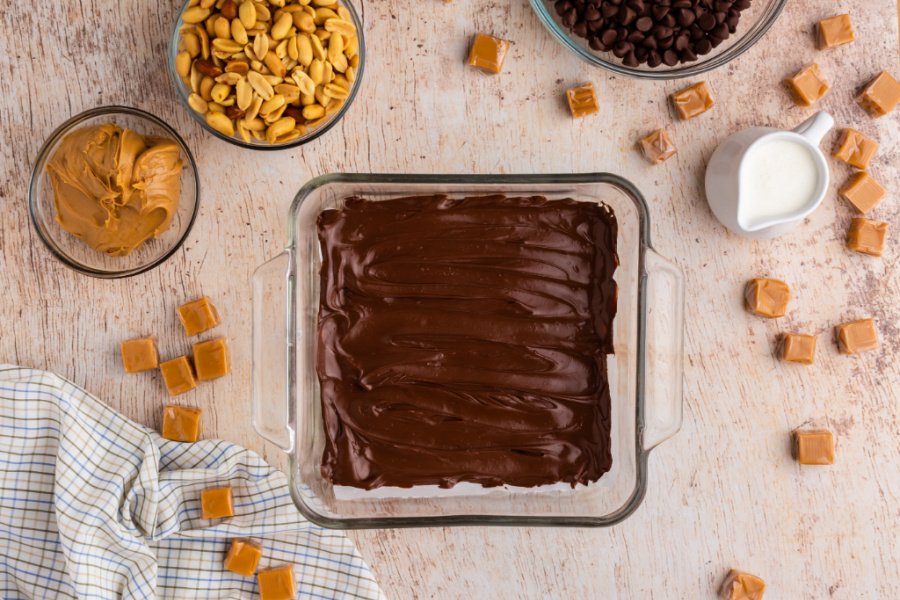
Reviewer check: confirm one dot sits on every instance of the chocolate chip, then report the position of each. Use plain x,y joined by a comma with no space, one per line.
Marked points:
644,24
591,13
654,59
580,29
686,17
703,47
597,45
670,57
609,10
630,60
707,22
608,37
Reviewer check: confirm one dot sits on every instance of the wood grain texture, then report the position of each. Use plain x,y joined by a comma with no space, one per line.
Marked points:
724,492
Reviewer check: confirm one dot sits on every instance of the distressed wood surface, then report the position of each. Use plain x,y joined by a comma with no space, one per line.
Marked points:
724,492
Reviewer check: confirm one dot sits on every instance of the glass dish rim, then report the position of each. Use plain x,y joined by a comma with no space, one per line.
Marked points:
641,453
745,43
172,50
51,140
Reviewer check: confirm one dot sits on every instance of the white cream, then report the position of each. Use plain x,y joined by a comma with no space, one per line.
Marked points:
778,178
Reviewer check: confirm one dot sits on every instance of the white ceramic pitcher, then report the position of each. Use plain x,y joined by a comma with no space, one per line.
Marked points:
724,176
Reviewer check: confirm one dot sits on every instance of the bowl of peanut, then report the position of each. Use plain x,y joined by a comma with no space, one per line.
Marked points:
267,74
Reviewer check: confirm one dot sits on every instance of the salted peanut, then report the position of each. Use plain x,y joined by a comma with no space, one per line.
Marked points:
216,503
345,28
488,53
856,337
808,86
274,64
863,192
181,424
260,85
195,14
243,557
767,297
218,121
692,101
814,447
281,27
742,586
855,149
237,66
279,128
867,236
582,100
835,31
880,96
227,47
336,91
658,146
798,348
229,79
198,316
178,375
183,63
191,44
277,583
139,355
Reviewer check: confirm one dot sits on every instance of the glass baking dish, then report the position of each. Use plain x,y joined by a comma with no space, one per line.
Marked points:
645,372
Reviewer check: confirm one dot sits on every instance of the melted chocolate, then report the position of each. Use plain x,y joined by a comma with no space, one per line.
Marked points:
466,340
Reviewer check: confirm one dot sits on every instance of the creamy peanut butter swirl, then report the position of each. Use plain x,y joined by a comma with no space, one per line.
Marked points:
115,188
466,340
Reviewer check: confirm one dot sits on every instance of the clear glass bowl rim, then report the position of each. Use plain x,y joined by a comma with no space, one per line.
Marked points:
746,41
41,160
304,139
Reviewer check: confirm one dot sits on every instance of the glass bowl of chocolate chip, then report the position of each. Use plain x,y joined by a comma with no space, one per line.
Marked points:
658,39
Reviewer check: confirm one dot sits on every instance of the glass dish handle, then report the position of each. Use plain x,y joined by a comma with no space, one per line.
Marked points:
271,350
664,352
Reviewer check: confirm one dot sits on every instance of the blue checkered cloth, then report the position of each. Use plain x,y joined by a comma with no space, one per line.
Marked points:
93,505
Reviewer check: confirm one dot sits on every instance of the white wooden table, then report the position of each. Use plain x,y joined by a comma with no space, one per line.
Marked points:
724,492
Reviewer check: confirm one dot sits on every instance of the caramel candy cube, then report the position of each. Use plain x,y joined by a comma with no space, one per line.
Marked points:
808,85
243,557
693,101
658,146
742,586
488,53
767,297
198,316
216,503
211,359
814,447
855,149
181,424
867,236
277,583
799,348
880,96
582,100
856,337
863,192
139,355
178,375
835,31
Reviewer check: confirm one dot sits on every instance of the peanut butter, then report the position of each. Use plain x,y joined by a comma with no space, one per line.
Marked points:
115,188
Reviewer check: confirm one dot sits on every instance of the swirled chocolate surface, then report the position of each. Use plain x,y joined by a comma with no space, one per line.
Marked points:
466,340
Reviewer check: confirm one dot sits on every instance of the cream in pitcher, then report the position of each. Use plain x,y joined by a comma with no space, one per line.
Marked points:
762,182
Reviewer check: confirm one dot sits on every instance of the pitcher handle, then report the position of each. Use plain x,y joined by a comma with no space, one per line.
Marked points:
815,127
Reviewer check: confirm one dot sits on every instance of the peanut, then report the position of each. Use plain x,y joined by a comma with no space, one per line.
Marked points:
220,122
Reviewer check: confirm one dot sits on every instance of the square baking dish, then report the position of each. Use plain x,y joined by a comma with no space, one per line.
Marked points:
645,373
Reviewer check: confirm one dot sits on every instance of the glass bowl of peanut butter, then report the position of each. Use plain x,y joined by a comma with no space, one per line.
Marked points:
114,192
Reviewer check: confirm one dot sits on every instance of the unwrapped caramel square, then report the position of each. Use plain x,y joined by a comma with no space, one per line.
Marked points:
742,586
799,348
582,100
835,31
767,297
212,359
855,149
693,101
277,583
139,355
488,53
881,96
814,447
858,336
863,192
178,375
658,146
216,503
867,236
808,85
181,424
243,557
198,316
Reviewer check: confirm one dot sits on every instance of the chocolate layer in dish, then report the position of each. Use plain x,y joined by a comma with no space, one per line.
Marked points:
466,340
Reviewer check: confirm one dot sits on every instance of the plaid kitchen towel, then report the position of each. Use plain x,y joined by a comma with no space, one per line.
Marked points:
95,506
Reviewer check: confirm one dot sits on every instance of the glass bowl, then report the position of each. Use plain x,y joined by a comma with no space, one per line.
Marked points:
72,251
183,91
755,22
